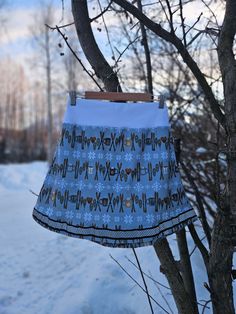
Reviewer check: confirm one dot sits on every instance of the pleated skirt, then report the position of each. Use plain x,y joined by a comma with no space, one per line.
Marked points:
114,179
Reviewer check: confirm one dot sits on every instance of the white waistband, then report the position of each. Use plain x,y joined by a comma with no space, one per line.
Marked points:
116,114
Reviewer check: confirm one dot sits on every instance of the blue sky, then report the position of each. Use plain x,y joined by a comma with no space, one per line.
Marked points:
16,38
30,3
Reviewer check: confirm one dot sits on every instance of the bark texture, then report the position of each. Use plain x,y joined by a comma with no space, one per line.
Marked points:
220,266
228,69
90,48
170,269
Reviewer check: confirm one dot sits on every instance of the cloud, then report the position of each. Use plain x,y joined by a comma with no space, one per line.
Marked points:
17,25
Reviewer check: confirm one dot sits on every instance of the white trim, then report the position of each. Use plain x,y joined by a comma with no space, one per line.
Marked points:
116,114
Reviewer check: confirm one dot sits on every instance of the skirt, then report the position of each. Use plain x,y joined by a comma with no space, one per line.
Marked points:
114,179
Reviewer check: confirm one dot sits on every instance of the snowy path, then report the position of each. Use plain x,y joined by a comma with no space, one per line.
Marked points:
42,272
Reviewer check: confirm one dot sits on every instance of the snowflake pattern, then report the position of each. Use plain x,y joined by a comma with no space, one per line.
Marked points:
127,185
78,215
99,187
156,186
87,216
69,214
147,156
108,156
128,156
117,187
106,218
91,155
128,219
80,185
150,218
62,184
138,187
76,154
164,155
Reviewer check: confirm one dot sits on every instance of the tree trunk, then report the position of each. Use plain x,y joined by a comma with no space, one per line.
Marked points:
175,280
90,48
220,266
223,238
186,268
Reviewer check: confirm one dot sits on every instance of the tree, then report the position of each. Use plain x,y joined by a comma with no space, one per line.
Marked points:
183,39
44,43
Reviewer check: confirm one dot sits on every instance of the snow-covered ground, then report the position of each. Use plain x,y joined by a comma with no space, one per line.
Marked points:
43,272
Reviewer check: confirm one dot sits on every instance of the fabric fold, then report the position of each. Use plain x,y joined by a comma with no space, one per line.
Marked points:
114,179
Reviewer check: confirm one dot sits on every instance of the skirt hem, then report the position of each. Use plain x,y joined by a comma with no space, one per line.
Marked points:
120,243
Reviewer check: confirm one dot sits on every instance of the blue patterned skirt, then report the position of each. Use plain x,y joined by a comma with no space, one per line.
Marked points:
114,178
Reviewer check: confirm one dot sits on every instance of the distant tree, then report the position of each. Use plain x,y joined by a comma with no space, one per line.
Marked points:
46,47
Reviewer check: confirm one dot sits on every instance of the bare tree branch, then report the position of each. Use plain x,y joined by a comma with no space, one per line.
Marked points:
92,52
101,13
138,284
173,39
78,59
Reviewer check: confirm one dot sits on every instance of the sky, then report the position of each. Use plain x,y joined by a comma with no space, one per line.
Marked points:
16,40
19,13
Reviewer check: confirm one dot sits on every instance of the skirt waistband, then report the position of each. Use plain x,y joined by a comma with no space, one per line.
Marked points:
116,114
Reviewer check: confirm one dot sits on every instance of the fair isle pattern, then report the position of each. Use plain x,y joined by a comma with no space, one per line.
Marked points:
117,186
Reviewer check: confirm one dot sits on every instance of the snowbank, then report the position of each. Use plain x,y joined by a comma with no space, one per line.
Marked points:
42,272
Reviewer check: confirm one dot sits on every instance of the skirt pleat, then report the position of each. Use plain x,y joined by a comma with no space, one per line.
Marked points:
114,179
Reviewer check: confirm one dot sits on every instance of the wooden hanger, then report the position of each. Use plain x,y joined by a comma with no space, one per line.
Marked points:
117,96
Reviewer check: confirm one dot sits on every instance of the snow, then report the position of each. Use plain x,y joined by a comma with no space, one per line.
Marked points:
43,272
201,150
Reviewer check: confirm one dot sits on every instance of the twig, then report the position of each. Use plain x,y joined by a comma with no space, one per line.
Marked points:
33,192
199,244
195,246
205,224
126,48
157,282
205,306
182,22
105,26
101,13
171,16
198,19
164,298
138,284
77,58
145,285
60,26
145,44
